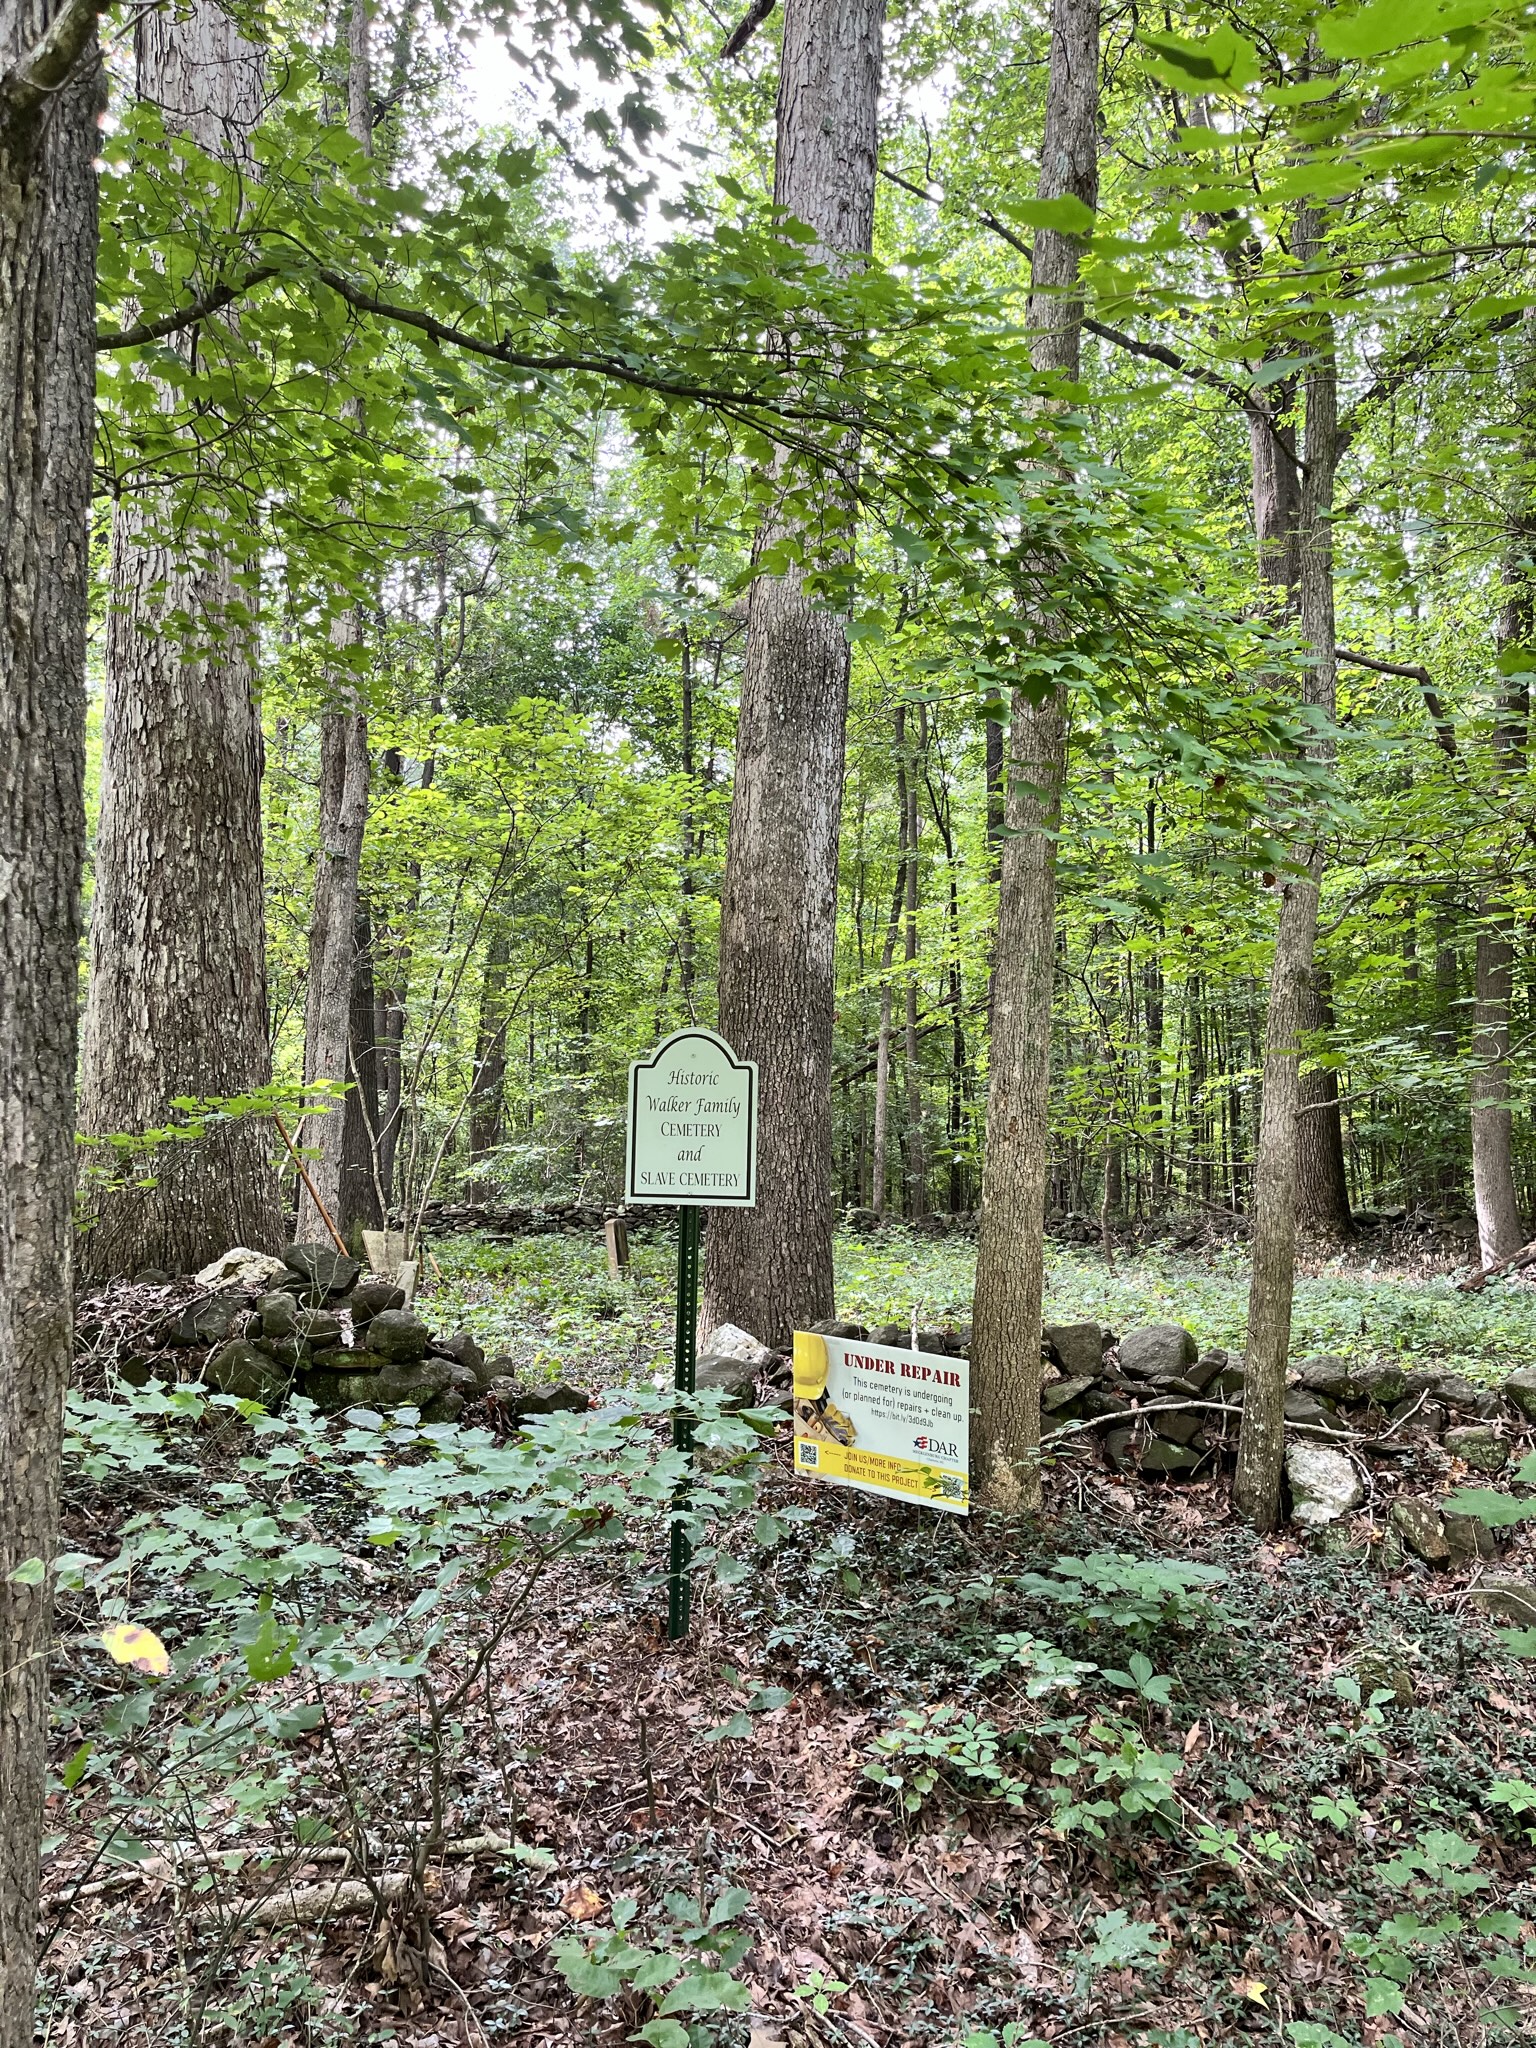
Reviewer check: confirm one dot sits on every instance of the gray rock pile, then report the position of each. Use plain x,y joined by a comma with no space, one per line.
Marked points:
1161,1407
311,1323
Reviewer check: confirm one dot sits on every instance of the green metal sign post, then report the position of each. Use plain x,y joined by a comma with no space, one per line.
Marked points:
692,1142
680,1558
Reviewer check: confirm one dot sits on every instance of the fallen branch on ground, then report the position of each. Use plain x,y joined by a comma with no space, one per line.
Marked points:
293,1907
1476,1282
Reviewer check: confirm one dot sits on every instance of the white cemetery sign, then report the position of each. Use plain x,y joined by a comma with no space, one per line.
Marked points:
693,1125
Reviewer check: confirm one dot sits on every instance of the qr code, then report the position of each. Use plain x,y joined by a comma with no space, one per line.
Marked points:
951,1487
810,1454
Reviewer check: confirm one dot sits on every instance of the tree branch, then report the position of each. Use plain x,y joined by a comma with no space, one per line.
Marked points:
1445,732
747,27
1197,373
1407,366
214,300
1476,1282
47,67
613,368
1153,351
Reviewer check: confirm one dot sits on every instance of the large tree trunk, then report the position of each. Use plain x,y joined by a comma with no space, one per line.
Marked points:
1010,1262
177,997
770,1268
48,141
1261,1446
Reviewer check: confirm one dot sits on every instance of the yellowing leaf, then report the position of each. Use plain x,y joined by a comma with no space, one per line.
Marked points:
140,1647
1251,1989
582,1903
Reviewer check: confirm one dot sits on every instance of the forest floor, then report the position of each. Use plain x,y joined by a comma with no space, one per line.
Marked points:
1125,1777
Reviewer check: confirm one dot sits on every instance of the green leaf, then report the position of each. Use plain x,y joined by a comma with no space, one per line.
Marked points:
30,1572
708,1991
74,1770
269,1654
1223,58
663,2034
1068,216
733,1900
1493,1510
1381,26
1382,1997
587,1978
733,1730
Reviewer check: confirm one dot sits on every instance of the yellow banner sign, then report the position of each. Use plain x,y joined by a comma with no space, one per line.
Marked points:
884,1420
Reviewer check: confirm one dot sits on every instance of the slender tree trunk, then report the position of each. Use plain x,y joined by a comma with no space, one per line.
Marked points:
1158,1122
770,1268
1010,1264
48,141
332,955
917,1147
490,1083
361,1194
1261,1444
1499,1232
881,1144
1322,1186
177,1001
343,821
394,959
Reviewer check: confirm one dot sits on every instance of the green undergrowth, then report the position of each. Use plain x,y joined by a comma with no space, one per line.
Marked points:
550,1304
1307,1794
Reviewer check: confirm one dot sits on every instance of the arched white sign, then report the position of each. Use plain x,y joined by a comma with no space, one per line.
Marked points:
693,1125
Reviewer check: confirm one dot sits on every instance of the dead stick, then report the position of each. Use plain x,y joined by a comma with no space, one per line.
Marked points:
1127,1417
1475,1282
336,1237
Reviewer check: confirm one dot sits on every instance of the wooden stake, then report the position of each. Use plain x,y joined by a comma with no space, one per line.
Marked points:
336,1237
616,1236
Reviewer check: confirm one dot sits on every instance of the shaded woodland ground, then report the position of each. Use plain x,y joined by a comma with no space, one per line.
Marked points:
1124,1774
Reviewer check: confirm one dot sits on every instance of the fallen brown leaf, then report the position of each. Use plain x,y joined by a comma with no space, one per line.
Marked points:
582,1903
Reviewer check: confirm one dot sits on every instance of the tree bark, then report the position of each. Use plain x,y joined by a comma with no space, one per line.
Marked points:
488,1092
362,1202
770,1268
1322,1185
1499,1231
332,956
1261,1442
343,820
1010,1263
879,1173
917,1145
177,996
48,142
